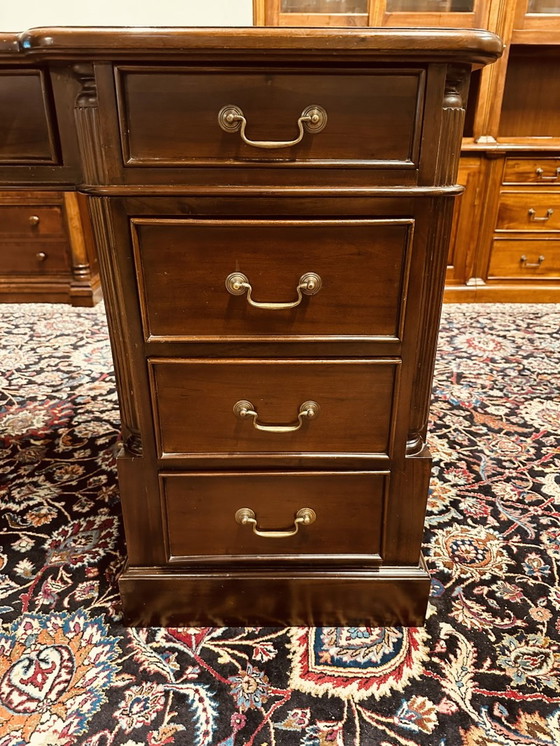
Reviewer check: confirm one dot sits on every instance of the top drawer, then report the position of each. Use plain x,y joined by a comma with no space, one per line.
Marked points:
171,117
30,221
26,127
532,171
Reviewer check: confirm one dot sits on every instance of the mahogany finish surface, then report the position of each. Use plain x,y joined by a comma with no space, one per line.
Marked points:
371,257
178,204
25,126
193,402
200,511
371,117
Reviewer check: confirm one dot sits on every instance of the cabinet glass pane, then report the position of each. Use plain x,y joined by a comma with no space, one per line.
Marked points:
324,6
432,6
543,6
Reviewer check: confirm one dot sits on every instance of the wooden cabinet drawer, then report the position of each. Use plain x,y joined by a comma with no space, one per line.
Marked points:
33,257
532,171
26,135
30,221
195,412
521,258
169,116
183,266
533,210
200,515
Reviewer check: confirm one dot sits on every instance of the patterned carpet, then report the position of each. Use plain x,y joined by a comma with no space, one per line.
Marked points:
485,670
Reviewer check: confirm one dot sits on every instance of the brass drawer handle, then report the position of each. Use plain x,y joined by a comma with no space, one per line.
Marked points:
532,214
531,265
41,256
247,517
34,220
244,408
309,284
541,177
313,119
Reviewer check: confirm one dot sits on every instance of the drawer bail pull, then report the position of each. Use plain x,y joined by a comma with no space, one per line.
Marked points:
533,212
531,265
244,408
247,517
313,119
309,284
540,175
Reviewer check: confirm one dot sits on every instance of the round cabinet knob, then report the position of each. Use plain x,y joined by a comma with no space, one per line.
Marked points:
34,220
41,256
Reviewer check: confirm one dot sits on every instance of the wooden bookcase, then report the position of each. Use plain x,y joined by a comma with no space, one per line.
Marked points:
506,233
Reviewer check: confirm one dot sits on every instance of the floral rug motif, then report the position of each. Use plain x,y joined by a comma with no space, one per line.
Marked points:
485,671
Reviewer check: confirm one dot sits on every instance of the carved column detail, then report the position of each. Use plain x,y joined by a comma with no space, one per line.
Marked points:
453,121
88,127
432,290
120,339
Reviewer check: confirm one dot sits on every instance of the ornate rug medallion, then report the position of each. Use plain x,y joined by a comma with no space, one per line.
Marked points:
485,671
355,662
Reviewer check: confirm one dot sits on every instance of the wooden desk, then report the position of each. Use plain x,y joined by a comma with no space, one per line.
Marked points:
272,212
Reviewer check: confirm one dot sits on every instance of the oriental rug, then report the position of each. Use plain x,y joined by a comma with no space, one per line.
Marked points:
485,670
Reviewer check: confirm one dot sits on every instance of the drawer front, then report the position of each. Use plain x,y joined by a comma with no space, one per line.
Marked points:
518,258
30,221
25,124
200,514
529,211
33,257
532,171
183,266
195,406
171,117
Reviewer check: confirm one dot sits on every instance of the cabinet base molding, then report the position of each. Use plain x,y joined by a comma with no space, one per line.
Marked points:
29,290
381,597
506,293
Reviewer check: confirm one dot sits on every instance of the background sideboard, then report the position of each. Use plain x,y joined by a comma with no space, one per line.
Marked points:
47,254
506,236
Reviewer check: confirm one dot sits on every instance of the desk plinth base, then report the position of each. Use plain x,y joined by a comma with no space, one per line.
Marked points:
381,597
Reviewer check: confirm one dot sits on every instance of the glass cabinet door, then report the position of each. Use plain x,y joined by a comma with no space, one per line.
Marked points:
458,13
537,15
317,13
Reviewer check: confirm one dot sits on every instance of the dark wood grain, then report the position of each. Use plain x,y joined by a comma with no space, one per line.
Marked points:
194,405
184,104
183,265
385,596
475,47
26,128
9,44
177,205
200,511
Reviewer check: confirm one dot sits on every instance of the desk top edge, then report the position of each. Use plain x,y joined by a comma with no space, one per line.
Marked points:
463,45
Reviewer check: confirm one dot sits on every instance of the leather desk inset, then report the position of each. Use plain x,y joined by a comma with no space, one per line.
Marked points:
272,212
